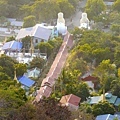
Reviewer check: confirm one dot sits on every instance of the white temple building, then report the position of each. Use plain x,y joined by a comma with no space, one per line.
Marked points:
62,29
84,21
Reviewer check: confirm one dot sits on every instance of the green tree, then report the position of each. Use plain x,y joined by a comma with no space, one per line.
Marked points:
68,83
94,8
7,63
115,87
47,109
74,2
37,62
3,8
93,45
4,76
29,21
20,69
10,39
26,10
56,42
83,91
117,55
115,28
116,5
4,21
46,10
66,7
104,70
11,98
78,64
45,47
103,108
26,41
114,17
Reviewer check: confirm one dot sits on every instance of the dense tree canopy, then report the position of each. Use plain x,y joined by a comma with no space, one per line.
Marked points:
116,5
94,8
95,51
11,98
7,63
103,108
43,10
20,69
47,109
68,83
37,62
29,21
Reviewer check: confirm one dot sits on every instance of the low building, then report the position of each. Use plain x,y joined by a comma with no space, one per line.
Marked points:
12,46
38,33
33,73
26,82
108,117
15,23
72,101
112,99
91,80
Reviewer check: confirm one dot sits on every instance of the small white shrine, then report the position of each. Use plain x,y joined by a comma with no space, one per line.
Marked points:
84,21
62,29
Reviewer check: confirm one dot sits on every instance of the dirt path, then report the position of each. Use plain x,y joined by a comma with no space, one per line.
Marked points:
77,16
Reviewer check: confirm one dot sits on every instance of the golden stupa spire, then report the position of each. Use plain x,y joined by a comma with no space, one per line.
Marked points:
15,77
103,96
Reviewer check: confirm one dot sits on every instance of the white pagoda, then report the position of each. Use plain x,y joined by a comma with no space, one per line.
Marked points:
62,29
84,21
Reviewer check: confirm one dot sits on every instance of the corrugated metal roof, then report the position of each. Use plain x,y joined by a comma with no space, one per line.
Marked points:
37,31
24,32
17,23
117,102
26,81
12,45
72,99
105,117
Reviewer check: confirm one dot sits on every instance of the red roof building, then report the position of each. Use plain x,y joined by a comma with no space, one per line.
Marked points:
72,101
88,77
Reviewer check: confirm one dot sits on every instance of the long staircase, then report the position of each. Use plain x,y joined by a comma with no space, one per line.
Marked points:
55,70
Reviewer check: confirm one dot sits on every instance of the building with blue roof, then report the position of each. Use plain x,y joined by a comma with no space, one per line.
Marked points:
12,46
26,82
107,117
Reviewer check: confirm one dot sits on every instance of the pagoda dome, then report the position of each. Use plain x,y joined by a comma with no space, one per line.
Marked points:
62,29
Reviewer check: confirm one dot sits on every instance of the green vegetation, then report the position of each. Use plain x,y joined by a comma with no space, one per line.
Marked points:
41,9
94,50
103,108
20,69
116,5
11,98
68,83
94,8
29,21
